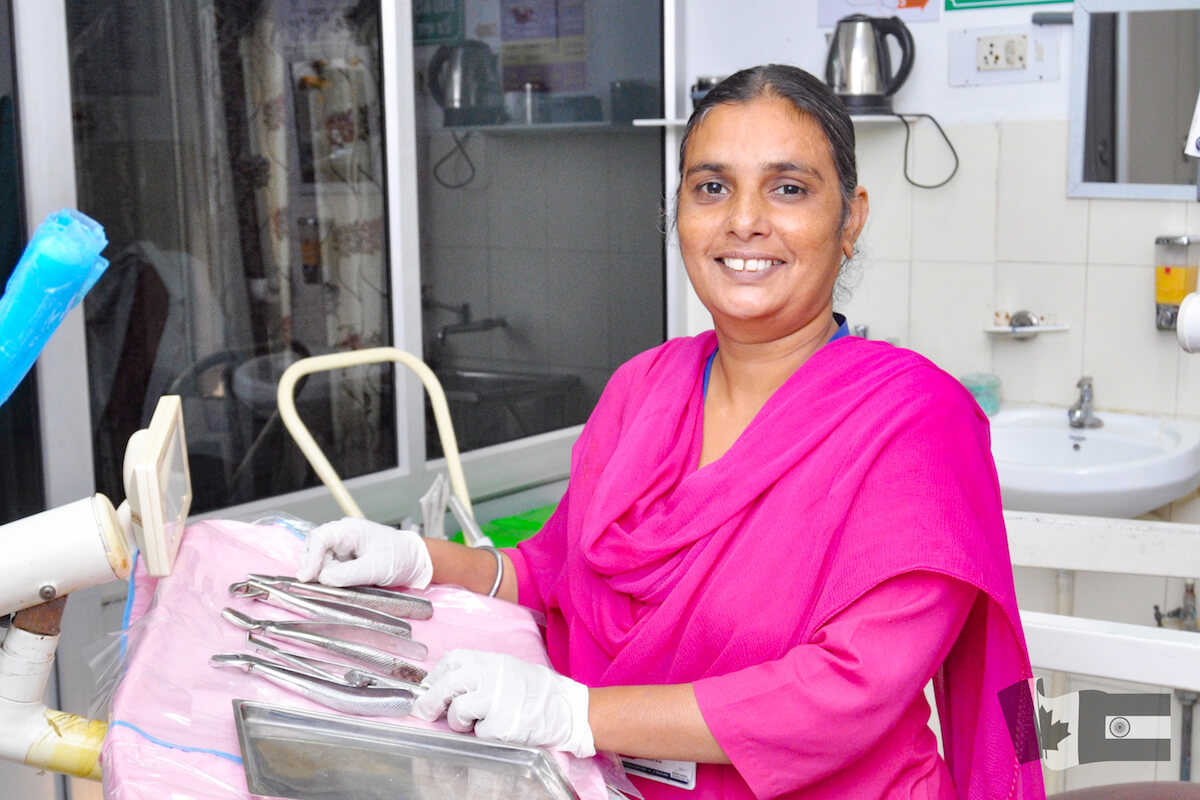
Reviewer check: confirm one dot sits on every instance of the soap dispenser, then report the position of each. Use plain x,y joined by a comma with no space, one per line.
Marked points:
1174,277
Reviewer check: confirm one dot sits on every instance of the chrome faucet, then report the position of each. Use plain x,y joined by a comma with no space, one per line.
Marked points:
471,326
1080,415
465,324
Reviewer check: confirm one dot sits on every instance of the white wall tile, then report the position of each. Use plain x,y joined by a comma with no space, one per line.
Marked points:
1187,400
582,299
635,296
459,275
556,302
879,149
1119,598
951,305
1043,369
1123,231
635,216
1134,366
457,217
521,292
956,222
1037,589
517,199
576,218
1186,510
880,300
1035,220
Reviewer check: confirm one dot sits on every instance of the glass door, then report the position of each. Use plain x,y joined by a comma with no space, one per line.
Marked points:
278,179
540,204
234,152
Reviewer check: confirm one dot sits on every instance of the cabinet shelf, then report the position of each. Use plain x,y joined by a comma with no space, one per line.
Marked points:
521,129
857,119
1024,331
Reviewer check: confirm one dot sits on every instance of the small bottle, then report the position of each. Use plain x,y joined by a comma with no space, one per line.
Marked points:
1174,277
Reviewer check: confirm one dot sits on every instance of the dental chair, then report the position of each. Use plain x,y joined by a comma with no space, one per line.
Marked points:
286,392
1112,650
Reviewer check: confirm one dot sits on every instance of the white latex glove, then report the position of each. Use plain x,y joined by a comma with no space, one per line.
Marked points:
358,552
508,700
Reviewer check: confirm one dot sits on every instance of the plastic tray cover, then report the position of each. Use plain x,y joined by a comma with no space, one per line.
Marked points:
171,724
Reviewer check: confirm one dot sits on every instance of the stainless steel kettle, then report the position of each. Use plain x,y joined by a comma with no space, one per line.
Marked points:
464,79
859,68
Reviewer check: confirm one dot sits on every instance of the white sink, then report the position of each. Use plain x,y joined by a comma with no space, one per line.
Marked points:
1131,465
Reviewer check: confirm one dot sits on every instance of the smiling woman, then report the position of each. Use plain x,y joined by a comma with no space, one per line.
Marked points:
762,223
775,535
763,228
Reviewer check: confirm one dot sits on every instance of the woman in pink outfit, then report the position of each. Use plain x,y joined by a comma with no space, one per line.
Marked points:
775,535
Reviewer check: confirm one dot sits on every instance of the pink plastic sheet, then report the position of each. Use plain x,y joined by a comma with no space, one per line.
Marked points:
171,728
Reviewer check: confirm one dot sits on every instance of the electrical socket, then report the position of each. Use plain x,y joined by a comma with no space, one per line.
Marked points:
1001,52
1041,59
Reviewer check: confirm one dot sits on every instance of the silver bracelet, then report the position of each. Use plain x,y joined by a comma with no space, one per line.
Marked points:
499,569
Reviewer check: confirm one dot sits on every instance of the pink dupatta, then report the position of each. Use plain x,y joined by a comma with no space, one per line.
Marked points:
868,463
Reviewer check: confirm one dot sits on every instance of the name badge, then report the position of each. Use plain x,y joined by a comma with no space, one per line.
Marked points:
681,774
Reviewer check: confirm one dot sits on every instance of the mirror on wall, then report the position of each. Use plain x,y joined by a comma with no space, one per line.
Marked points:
1135,78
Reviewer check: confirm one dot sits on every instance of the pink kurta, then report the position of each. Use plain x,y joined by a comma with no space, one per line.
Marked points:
762,577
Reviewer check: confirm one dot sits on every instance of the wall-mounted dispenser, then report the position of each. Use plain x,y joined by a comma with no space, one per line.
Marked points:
1176,261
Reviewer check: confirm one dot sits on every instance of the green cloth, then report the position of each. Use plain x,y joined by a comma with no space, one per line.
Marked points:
510,531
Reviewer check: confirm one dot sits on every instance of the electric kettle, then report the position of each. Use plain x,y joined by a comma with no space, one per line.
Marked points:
464,79
859,68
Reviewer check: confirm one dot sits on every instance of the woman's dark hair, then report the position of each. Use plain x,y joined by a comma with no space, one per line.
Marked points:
808,94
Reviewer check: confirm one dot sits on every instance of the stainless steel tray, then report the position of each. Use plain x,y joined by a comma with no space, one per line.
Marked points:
307,755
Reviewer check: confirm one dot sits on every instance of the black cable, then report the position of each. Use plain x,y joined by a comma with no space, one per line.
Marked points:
908,134
458,148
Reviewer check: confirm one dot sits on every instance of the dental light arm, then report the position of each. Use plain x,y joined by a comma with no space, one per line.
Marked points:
1192,146
1187,323
82,544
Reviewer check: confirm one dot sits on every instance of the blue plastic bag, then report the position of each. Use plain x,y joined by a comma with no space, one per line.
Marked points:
60,264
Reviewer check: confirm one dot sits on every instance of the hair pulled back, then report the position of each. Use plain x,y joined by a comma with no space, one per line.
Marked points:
808,94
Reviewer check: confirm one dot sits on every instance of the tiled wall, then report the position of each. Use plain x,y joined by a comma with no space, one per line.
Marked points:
1002,235
558,234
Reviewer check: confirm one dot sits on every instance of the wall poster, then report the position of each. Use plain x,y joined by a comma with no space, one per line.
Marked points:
959,5
437,21
543,43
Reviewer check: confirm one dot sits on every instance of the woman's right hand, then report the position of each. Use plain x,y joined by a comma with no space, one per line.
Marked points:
358,552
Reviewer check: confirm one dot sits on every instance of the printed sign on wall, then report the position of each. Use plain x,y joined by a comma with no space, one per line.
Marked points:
960,5
437,21
830,11
543,43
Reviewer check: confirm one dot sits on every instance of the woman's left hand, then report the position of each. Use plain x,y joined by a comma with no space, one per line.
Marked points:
508,700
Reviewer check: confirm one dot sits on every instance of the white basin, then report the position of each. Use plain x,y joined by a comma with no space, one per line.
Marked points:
1131,465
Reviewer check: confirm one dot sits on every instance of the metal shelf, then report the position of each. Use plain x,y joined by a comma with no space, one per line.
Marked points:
857,119
1024,331
537,128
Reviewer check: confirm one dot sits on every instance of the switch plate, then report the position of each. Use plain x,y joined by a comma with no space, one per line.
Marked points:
1002,51
1041,55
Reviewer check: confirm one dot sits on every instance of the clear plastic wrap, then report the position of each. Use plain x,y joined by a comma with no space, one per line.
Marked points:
171,726
60,264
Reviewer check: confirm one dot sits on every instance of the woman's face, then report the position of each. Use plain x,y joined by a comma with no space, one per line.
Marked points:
760,208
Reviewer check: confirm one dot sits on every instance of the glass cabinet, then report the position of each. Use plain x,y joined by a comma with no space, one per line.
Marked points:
284,178
540,203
